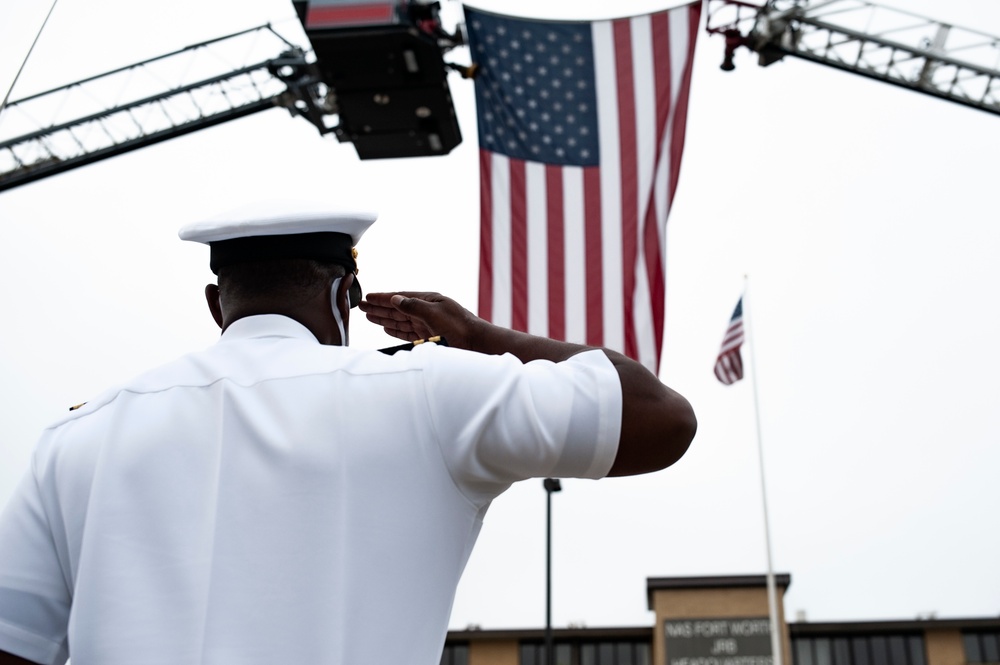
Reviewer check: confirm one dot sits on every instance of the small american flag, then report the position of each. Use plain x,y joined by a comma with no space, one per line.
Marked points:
581,131
729,364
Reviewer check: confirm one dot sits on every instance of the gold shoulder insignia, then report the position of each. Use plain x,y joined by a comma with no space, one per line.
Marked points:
409,346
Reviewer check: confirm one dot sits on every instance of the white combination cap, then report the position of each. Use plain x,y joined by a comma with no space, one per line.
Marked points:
277,218
281,230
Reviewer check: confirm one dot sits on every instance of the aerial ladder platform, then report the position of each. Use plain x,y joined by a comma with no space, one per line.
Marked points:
876,41
154,100
381,83
373,75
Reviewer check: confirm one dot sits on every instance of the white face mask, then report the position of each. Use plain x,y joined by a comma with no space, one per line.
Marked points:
336,311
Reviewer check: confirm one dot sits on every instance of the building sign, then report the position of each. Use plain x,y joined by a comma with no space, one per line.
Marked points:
719,642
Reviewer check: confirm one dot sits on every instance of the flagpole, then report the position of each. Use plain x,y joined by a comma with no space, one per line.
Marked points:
772,593
6,98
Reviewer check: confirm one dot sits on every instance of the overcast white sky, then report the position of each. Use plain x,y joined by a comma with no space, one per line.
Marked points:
864,214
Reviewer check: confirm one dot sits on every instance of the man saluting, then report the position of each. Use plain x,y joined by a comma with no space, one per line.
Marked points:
282,498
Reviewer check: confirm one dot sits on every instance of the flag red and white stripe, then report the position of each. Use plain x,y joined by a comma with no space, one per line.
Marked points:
729,364
577,252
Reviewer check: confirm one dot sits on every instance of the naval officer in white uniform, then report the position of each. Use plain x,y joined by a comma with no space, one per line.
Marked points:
281,498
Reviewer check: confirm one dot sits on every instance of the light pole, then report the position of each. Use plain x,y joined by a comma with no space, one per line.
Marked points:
551,485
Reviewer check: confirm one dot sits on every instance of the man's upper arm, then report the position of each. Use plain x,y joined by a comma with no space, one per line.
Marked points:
507,420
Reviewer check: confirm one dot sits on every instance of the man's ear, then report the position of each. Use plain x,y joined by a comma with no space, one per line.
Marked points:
214,303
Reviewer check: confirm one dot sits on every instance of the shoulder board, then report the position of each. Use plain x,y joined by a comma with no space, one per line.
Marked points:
409,346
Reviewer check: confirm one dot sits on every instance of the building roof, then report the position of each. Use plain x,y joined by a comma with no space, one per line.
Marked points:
617,633
832,628
782,580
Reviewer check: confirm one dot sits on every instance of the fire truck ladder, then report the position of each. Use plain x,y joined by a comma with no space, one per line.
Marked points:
890,45
158,99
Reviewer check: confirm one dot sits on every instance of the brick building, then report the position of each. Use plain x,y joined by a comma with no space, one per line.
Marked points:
725,621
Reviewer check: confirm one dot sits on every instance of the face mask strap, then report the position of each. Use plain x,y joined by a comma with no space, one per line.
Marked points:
336,310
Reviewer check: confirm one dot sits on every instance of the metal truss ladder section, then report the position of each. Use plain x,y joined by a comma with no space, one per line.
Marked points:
883,43
175,94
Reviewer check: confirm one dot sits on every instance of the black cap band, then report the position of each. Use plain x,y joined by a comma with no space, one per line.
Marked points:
324,246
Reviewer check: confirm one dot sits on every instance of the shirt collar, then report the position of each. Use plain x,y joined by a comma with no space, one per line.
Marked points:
266,325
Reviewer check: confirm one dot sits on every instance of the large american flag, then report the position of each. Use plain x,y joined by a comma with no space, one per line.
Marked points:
729,364
581,130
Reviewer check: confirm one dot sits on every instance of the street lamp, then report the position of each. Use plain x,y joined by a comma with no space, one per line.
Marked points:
551,485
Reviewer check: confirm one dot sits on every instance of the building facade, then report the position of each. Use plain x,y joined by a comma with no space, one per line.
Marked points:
725,621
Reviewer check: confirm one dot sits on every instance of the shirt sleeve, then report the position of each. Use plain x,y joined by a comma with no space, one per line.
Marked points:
501,420
34,597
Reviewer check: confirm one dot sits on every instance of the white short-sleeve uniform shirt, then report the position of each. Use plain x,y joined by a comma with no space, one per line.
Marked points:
272,500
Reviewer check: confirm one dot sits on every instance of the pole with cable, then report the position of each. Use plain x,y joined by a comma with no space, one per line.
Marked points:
772,593
551,485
